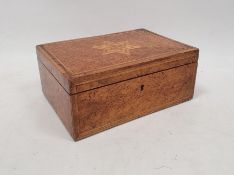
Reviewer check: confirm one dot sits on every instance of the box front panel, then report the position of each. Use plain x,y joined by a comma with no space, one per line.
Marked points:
111,105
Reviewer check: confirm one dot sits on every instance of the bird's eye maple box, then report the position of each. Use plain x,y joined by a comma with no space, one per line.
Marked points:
100,82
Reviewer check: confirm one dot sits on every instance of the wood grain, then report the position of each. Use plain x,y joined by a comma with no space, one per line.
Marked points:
100,82
112,105
59,99
78,65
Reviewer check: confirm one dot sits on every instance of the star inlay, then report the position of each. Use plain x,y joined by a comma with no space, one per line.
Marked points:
122,47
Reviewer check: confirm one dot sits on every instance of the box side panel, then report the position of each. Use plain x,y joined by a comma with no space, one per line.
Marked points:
111,105
59,99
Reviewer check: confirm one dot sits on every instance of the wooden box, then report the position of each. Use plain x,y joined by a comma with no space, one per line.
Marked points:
99,82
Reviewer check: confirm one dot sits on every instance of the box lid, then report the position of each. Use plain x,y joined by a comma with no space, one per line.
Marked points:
88,63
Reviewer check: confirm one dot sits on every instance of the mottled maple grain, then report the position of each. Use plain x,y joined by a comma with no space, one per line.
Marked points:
100,82
59,99
111,105
78,65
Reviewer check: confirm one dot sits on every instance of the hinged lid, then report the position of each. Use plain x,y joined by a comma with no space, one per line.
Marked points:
88,63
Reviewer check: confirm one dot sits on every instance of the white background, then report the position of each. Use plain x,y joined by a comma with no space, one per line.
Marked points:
195,138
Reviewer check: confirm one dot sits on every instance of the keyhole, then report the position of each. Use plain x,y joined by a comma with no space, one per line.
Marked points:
142,87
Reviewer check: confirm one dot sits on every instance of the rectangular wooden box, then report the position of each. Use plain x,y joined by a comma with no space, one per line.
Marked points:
99,82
